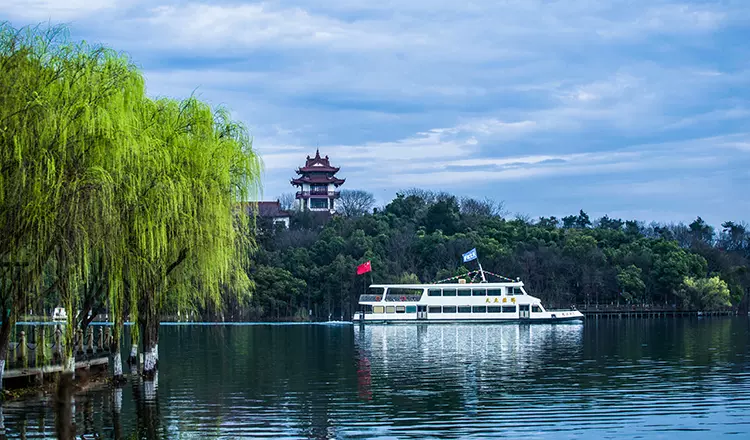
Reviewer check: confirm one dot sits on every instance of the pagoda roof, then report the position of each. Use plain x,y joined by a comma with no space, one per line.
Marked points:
318,179
317,164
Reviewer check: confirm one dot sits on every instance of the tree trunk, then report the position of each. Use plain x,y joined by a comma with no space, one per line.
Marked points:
116,409
116,351
4,341
64,408
83,317
69,353
150,333
133,358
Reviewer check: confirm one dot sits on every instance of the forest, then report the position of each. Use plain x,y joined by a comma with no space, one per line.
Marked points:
308,270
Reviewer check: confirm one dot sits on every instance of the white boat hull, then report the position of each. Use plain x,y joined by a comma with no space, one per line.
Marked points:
553,316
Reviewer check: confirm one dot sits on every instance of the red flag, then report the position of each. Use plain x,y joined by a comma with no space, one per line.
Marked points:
364,268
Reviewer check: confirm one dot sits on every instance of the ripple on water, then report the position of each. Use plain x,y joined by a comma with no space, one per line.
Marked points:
620,379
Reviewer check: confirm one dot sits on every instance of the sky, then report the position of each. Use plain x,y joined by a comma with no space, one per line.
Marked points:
637,109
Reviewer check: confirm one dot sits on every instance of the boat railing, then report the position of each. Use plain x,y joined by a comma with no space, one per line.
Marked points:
390,298
403,298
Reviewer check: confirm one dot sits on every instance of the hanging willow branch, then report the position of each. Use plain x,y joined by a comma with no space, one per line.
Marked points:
108,196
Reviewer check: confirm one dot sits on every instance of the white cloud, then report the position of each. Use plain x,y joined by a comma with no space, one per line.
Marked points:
203,25
522,90
712,116
667,19
447,157
56,10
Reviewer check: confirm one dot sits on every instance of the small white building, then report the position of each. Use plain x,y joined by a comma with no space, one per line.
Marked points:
318,185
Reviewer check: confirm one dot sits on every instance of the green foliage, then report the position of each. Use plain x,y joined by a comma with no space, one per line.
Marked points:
109,198
631,284
408,278
421,235
704,293
279,293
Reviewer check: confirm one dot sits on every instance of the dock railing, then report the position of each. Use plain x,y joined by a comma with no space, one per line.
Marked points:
40,348
648,310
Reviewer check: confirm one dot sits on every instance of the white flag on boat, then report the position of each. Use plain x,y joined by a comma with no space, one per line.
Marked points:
471,255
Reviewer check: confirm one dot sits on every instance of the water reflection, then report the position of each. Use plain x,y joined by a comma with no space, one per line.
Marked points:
664,378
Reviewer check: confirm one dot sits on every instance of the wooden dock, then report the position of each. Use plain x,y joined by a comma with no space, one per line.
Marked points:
99,362
35,356
618,312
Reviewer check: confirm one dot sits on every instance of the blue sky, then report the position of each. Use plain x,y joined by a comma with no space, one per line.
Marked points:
632,108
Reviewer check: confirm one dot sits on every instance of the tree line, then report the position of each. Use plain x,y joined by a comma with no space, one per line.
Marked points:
111,199
308,270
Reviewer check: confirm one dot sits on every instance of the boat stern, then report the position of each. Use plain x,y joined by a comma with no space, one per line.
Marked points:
564,315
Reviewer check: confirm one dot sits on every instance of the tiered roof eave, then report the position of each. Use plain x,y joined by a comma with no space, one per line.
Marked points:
318,179
317,169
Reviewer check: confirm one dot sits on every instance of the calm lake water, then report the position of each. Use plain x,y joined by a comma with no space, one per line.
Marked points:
638,378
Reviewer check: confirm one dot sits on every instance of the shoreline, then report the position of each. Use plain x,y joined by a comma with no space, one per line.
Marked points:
47,390
589,315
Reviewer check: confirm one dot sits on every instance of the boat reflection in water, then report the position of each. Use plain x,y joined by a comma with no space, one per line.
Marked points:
461,360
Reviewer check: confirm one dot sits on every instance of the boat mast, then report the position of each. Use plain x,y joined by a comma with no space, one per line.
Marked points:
484,280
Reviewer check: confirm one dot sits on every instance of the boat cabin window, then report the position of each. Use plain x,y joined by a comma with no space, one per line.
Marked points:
434,292
479,309
376,291
509,309
494,292
479,292
434,309
515,290
400,309
449,309
378,309
464,292
390,309
366,309
464,309
449,292
494,309
411,309
536,309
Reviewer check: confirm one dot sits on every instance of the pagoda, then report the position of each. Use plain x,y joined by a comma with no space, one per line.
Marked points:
318,185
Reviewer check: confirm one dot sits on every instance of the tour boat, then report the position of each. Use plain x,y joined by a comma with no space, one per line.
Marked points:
456,302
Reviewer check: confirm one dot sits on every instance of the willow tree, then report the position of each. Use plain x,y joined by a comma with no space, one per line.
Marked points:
119,193
184,234
22,181
65,125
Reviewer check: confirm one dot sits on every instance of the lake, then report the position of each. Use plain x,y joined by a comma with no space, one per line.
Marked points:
630,378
